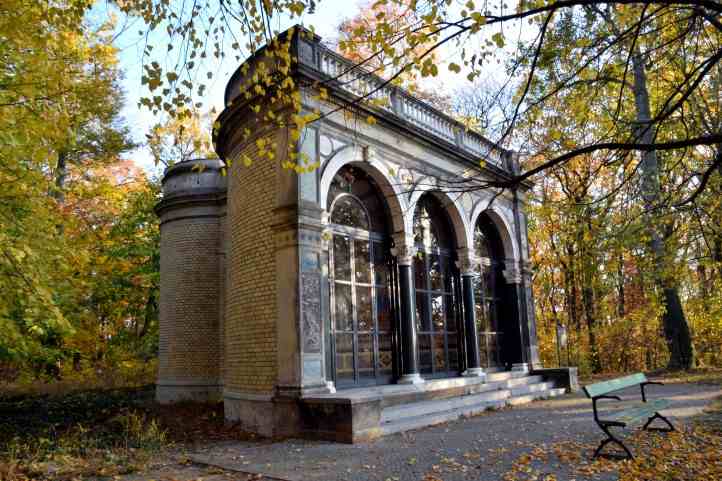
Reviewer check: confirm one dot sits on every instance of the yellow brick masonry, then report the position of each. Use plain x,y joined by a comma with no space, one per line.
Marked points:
250,323
189,341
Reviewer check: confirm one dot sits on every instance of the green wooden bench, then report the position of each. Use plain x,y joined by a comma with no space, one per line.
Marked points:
645,410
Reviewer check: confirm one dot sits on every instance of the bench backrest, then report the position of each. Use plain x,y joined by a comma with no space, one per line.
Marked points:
601,388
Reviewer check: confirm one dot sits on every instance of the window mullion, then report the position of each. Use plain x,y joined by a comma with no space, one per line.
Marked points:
354,308
445,306
332,306
429,295
374,319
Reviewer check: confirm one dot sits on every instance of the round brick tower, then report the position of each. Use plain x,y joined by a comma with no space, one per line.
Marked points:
192,279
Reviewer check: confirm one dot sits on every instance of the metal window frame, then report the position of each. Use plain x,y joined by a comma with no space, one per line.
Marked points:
352,235
450,306
489,303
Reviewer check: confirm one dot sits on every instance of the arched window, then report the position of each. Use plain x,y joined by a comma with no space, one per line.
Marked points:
488,290
347,210
359,281
435,281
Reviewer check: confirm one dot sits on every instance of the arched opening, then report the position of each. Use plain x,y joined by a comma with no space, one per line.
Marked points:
489,291
436,283
359,281
497,301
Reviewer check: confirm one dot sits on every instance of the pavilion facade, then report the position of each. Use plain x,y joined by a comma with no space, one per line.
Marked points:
281,292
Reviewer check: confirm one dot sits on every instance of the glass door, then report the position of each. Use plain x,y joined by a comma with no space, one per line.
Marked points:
361,316
436,314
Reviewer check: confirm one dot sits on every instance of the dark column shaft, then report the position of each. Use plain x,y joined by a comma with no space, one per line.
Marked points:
410,356
472,336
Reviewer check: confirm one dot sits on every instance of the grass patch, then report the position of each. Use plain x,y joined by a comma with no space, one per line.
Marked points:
99,432
696,376
81,434
121,375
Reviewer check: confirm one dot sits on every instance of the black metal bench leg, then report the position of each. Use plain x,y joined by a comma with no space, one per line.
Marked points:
611,439
658,416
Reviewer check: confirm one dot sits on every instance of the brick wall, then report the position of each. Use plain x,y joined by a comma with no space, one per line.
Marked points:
222,251
250,322
189,304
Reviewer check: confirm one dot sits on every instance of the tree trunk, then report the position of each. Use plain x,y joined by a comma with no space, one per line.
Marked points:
570,281
717,253
151,308
587,280
717,242
676,330
588,301
621,300
61,174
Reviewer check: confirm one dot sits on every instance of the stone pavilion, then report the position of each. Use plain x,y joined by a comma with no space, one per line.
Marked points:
369,296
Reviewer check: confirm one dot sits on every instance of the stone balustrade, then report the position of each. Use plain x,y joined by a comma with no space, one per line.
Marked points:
341,74
345,75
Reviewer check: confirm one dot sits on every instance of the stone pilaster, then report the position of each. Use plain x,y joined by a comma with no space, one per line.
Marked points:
533,350
524,289
313,256
514,279
301,259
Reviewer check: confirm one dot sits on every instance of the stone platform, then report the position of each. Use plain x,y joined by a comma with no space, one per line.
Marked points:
362,414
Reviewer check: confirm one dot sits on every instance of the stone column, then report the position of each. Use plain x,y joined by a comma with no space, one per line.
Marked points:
512,276
404,252
466,264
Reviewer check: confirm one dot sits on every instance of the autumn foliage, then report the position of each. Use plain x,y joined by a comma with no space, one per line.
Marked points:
78,238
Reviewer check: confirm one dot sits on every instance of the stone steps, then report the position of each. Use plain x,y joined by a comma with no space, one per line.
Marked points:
422,408
522,381
363,414
546,394
430,412
531,388
458,387
505,375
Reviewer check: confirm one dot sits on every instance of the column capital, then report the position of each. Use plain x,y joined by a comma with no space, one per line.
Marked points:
526,268
512,274
404,249
326,234
467,262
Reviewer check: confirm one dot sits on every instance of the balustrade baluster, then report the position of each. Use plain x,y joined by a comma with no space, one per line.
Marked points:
363,84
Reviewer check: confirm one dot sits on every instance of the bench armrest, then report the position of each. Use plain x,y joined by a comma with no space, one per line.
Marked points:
597,398
647,383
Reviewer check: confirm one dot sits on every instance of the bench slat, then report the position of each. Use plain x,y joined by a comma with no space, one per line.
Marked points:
600,388
640,411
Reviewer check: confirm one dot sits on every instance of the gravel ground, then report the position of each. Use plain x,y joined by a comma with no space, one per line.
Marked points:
551,440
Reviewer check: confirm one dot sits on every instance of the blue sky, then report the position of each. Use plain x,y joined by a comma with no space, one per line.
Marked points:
329,14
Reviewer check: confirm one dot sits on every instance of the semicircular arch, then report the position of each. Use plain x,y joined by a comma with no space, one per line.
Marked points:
354,156
453,208
502,224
